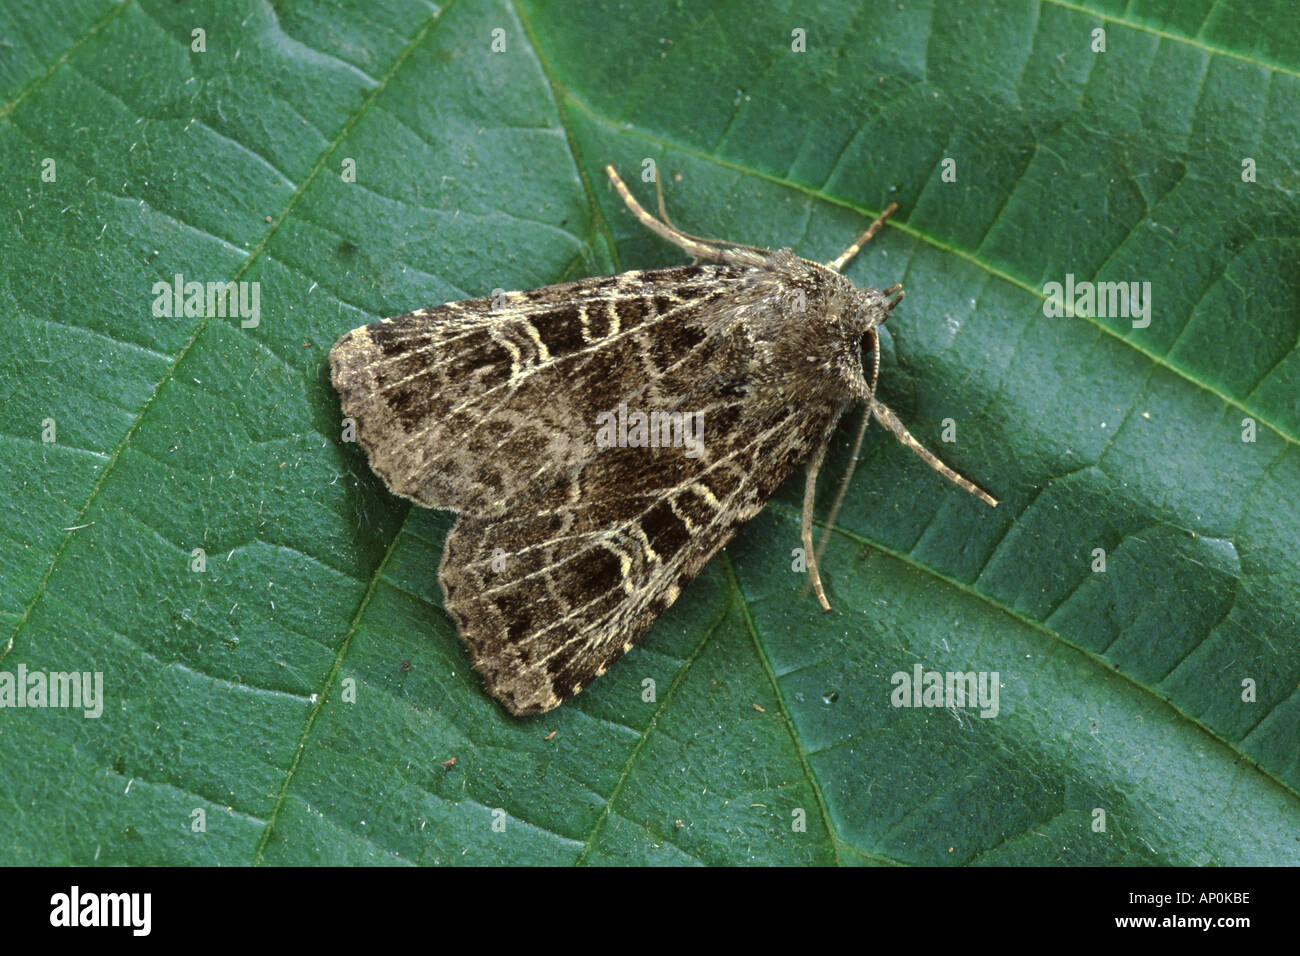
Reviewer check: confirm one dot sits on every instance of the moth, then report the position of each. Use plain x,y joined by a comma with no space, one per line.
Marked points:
572,536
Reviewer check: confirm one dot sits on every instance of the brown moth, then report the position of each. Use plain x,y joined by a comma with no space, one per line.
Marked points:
570,544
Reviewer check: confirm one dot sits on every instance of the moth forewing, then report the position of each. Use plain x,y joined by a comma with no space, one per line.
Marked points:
534,415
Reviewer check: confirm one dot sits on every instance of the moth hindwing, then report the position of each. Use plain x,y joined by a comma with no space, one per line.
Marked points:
603,439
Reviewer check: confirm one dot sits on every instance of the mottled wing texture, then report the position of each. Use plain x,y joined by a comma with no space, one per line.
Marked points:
474,405
548,596
568,548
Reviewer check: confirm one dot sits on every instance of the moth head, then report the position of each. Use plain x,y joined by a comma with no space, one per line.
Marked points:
873,306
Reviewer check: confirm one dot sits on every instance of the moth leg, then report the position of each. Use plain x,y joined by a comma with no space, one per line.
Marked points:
890,421
840,261
805,526
843,489
893,304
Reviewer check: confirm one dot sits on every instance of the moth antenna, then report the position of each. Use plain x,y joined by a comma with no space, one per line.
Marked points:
890,421
695,247
654,224
875,360
663,212
840,261
805,526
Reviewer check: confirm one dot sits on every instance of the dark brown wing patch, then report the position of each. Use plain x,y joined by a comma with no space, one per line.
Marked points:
452,403
548,596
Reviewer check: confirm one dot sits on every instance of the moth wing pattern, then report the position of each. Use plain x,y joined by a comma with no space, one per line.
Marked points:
548,593
567,548
548,597
470,406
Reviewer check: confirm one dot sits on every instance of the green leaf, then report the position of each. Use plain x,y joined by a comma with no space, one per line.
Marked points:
294,701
